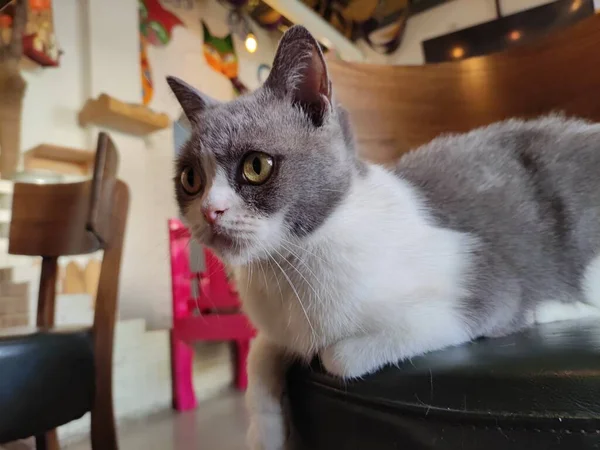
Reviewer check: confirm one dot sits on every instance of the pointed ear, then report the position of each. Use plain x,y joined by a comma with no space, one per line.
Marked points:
192,101
299,73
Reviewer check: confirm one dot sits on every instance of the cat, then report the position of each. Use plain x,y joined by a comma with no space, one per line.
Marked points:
219,53
473,235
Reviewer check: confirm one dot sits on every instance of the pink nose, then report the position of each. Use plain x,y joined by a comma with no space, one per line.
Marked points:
212,215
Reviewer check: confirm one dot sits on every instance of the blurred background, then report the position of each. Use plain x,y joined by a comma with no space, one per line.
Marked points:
80,62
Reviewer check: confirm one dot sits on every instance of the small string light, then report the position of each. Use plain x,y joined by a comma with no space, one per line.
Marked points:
458,52
515,35
250,43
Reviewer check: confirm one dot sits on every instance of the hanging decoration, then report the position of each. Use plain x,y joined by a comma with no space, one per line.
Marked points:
380,23
156,27
156,23
266,17
147,85
219,53
384,29
39,41
12,86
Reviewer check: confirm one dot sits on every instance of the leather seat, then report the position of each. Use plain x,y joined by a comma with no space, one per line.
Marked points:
538,389
46,380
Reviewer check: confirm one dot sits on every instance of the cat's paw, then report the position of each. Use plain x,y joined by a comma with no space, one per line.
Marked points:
350,358
266,432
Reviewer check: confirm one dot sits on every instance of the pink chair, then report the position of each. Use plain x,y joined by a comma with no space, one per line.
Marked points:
214,315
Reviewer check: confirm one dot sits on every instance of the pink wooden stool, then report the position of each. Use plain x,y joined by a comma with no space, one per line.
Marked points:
213,316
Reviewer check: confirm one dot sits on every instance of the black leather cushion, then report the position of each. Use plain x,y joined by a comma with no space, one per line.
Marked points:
46,380
539,389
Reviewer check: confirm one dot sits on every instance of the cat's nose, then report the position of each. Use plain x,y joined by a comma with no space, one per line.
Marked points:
212,214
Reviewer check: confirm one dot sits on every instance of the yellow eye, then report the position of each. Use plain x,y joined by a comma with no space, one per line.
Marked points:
191,182
257,167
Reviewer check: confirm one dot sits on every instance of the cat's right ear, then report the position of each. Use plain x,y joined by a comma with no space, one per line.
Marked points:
300,75
192,101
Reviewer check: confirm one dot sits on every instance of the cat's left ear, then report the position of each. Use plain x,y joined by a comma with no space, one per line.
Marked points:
300,74
192,101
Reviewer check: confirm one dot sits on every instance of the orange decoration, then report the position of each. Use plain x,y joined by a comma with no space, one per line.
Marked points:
39,5
5,21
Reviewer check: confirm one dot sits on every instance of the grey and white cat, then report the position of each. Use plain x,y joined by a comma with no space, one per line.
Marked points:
480,234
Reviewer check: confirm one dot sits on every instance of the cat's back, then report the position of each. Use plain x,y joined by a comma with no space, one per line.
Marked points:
513,164
528,190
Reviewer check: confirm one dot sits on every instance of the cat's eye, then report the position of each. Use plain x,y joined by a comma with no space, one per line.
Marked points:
191,182
257,167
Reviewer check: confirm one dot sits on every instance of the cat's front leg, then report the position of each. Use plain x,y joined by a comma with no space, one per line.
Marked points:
360,355
266,376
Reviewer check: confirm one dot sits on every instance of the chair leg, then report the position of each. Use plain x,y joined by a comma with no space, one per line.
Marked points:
241,374
47,441
182,383
104,433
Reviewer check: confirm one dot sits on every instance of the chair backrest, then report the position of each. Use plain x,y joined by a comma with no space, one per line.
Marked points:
52,220
395,108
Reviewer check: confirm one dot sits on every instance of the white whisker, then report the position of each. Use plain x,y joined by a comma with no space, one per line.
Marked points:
305,250
314,333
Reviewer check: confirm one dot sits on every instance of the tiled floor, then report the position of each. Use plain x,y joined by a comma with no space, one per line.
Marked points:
217,424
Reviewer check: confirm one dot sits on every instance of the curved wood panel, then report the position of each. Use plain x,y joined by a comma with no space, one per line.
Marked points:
105,177
396,108
50,220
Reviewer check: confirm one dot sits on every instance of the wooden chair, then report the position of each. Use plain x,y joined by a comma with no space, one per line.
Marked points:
534,390
210,314
50,376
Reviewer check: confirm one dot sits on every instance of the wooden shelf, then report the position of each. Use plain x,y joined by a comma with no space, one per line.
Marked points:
57,159
106,111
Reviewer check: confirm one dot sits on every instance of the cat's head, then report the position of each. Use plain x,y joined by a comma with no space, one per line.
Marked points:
269,167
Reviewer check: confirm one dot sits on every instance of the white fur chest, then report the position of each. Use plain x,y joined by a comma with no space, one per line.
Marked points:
375,263
300,302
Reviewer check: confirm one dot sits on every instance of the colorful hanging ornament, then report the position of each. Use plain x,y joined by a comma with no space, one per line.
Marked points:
156,27
219,53
147,85
156,23
383,31
265,16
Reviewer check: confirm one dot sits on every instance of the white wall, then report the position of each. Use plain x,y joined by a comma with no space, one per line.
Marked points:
101,54
54,96
452,16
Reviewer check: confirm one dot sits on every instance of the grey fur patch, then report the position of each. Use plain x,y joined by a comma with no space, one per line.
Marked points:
313,161
530,192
